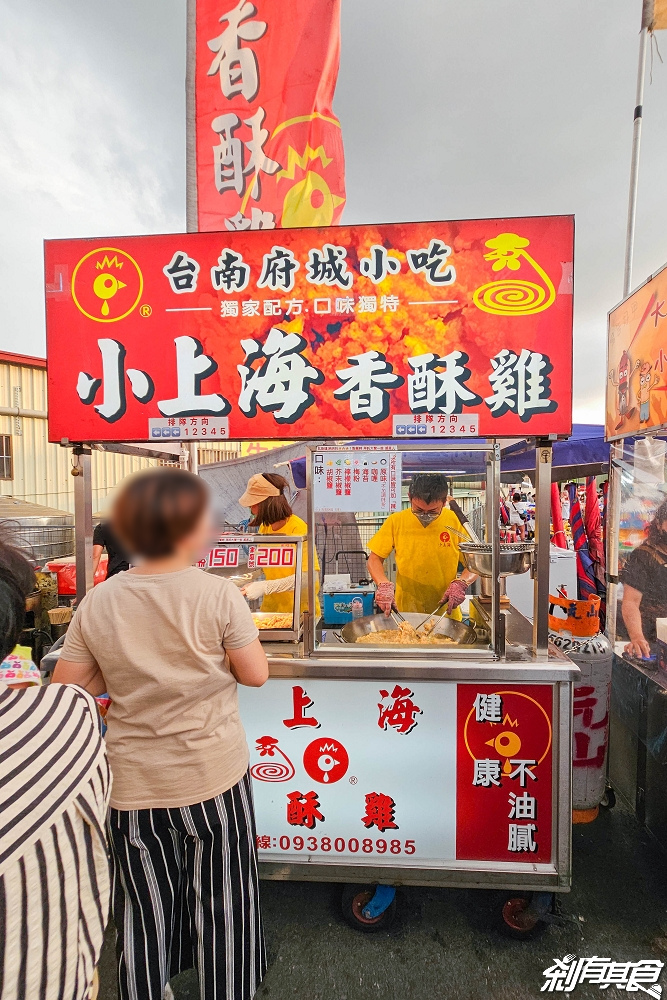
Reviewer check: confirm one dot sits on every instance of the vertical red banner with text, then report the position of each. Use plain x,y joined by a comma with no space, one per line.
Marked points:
269,147
504,772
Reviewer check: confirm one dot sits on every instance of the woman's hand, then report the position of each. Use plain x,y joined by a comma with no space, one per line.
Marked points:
249,664
630,609
85,675
253,591
639,648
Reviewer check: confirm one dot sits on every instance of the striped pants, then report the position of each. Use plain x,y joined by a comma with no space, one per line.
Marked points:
186,893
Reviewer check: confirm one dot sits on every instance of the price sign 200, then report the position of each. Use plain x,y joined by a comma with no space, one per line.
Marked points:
279,556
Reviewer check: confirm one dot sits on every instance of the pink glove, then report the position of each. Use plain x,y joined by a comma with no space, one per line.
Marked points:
384,596
455,594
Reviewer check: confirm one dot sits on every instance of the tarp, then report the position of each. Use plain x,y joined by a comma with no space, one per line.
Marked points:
228,480
586,453
451,463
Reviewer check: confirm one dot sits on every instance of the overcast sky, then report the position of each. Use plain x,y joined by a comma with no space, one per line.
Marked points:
450,109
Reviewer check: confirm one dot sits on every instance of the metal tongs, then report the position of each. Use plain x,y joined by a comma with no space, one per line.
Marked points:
399,619
433,614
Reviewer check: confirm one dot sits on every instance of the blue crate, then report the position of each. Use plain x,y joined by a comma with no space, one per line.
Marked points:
338,606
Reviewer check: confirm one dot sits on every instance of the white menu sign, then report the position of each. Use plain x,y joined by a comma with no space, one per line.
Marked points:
349,481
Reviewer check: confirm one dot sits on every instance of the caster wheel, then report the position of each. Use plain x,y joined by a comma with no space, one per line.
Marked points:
354,899
608,800
519,921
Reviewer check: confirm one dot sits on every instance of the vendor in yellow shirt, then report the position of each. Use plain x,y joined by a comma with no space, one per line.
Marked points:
272,514
425,539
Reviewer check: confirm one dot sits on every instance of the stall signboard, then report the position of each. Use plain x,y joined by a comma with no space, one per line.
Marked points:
406,774
268,146
445,329
350,481
637,362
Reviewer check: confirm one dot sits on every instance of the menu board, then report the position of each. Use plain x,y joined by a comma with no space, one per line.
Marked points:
352,480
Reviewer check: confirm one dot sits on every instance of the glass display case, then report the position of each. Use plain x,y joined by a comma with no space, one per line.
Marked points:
420,560
250,559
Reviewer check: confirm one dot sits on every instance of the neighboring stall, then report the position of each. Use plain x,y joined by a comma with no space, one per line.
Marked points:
636,423
432,763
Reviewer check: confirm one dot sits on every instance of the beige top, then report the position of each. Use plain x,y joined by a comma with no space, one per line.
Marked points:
175,737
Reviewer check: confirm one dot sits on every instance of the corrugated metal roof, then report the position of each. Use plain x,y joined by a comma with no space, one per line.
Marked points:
24,360
11,509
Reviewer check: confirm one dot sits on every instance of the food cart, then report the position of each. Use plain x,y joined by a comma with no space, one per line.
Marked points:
383,763
636,424
442,764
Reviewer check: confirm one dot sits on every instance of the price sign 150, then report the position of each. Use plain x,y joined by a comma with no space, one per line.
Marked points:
223,557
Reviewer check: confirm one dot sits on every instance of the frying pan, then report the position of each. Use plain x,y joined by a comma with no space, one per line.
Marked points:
458,631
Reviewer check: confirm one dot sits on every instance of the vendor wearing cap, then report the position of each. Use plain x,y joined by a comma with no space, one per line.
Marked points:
272,514
425,539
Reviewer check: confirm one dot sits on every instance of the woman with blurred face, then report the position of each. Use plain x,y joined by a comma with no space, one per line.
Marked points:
169,643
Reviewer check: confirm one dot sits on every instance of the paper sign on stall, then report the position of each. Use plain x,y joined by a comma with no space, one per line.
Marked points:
345,481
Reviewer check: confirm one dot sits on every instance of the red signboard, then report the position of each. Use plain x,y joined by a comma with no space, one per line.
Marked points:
504,772
407,331
269,147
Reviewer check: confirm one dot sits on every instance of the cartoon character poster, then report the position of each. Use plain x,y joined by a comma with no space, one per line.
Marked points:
637,362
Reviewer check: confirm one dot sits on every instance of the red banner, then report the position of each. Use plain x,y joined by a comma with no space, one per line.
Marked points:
422,330
504,772
269,147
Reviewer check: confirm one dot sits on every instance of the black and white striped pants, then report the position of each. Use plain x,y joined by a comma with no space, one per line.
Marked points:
186,893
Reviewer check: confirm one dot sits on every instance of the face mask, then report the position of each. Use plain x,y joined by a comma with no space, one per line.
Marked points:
425,518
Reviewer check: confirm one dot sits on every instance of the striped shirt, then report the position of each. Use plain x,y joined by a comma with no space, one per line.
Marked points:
54,877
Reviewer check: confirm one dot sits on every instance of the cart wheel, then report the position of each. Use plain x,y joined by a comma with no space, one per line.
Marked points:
519,920
608,800
354,899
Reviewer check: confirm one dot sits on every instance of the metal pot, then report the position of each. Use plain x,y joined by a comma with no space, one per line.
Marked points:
515,557
456,630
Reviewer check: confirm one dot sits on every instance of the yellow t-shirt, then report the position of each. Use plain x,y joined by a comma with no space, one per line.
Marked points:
285,602
427,559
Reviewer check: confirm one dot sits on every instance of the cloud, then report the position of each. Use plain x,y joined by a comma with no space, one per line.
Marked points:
81,156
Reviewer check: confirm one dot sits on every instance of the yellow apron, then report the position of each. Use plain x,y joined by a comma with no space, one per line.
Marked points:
284,603
427,559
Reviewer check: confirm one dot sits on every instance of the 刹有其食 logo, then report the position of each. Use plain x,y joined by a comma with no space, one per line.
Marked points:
107,285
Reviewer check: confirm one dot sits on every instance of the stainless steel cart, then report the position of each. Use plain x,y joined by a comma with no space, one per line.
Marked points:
444,765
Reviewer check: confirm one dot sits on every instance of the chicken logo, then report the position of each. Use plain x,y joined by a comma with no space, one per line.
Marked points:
521,729
107,285
309,201
326,760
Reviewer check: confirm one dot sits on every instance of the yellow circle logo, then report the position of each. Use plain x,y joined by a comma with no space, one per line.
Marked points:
107,285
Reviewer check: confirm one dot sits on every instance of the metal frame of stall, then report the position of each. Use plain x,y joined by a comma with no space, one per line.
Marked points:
544,666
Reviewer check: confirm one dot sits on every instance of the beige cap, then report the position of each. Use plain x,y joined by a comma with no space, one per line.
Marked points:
258,489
